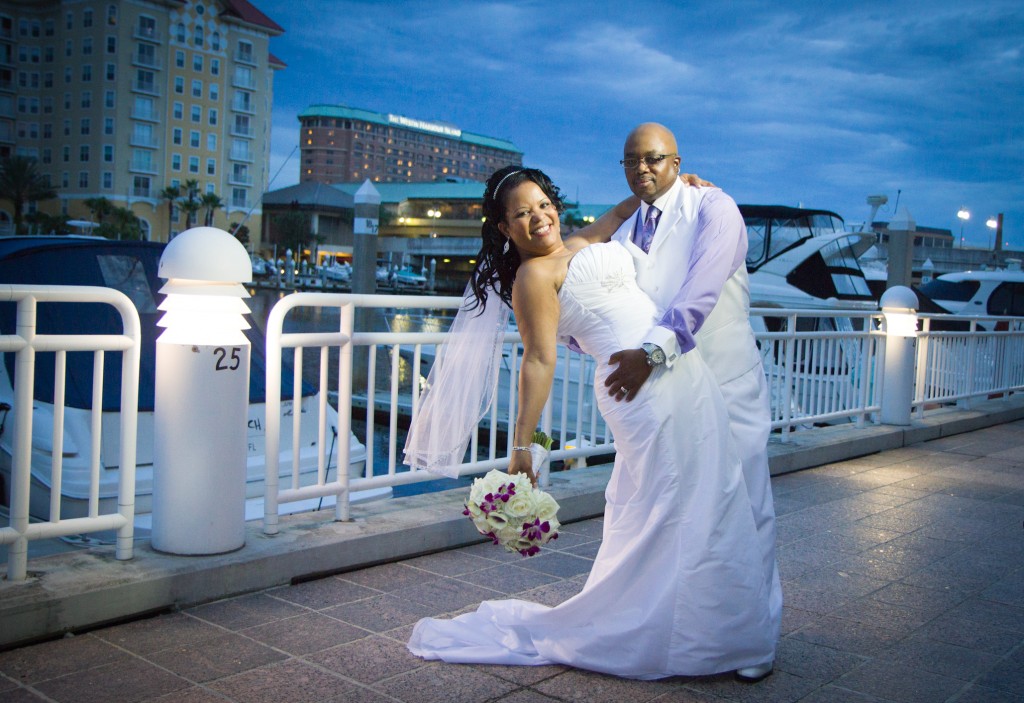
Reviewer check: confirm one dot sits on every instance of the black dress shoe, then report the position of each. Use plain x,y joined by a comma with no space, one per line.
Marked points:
753,674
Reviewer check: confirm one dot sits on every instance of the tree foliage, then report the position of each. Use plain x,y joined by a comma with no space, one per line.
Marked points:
21,183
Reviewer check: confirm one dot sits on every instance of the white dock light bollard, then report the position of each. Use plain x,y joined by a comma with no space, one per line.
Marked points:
898,305
201,395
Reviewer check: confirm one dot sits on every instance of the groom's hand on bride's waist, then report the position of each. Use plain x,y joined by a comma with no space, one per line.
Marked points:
630,372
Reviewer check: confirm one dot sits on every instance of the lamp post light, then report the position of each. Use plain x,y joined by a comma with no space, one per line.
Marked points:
201,396
899,305
964,215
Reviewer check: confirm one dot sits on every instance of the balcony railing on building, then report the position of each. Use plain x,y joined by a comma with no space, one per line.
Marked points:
145,114
147,60
240,179
243,106
147,87
142,191
241,203
151,34
241,131
245,57
143,166
247,82
243,155
147,142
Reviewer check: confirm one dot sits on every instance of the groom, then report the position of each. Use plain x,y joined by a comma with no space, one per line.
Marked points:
689,246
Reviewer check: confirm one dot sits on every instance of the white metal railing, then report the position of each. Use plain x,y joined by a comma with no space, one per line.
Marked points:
821,367
404,356
984,358
25,343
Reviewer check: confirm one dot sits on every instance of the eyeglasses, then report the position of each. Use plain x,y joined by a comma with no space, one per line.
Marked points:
651,161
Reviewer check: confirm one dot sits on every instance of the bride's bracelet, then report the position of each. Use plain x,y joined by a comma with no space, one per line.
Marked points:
520,449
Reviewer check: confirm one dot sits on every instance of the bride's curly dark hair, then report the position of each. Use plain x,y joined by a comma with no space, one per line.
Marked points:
495,270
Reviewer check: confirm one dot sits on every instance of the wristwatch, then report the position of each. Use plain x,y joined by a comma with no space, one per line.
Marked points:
655,354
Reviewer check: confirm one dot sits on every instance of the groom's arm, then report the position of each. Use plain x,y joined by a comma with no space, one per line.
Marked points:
719,249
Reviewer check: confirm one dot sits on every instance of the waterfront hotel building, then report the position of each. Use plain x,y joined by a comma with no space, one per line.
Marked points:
122,99
345,144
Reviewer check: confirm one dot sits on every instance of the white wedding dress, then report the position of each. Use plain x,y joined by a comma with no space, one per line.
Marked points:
677,587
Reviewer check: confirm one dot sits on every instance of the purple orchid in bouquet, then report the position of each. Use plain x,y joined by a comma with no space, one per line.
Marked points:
515,515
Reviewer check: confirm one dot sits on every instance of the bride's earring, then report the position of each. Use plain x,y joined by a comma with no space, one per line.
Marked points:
505,249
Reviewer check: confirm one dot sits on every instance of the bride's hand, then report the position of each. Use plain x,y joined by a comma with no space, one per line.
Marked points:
692,179
522,463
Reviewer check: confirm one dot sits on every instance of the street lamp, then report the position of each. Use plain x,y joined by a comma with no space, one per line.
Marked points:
964,215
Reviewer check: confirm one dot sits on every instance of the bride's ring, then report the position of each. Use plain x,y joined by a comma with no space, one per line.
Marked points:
623,389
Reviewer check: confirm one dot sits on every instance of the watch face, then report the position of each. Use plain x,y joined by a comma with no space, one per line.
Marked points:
655,354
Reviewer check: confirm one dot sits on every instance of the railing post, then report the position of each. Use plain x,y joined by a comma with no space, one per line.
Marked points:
21,450
899,305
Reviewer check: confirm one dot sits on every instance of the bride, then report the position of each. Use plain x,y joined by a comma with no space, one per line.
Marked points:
677,587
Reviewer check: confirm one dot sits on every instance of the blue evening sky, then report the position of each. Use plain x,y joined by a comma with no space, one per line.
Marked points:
818,104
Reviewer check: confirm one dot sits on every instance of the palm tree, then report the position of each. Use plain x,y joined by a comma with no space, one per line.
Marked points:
100,208
171,195
21,183
191,204
210,201
190,207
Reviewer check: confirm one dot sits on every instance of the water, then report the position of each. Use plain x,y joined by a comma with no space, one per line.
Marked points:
307,319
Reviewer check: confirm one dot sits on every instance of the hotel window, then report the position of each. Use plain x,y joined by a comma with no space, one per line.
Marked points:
86,73
87,46
197,89
69,48
211,167
193,164
83,153
179,58
176,136
86,99
67,128
69,21
197,63
47,130
213,117
48,79
108,125
67,74
111,45
180,34
85,126
108,180
179,110
244,51
214,67
109,98
175,162
197,114
111,14
83,179
211,141
215,41
214,91
87,17
108,153
197,35
48,28
193,139
47,156
111,72
179,85
65,180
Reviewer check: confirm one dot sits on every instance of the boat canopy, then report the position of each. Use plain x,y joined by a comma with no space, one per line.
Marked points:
773,229
130,267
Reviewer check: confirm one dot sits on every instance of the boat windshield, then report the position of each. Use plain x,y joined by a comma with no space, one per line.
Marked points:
772,230
957,291
832,272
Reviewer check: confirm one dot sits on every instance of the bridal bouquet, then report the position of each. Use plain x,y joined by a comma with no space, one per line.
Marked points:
510,511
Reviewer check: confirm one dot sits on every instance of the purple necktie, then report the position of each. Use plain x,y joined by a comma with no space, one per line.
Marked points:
646,234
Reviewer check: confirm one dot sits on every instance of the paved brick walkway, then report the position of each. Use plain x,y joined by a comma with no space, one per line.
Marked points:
903,577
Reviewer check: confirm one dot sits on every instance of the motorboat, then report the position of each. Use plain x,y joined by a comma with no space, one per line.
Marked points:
998,292
409,277
130,267
260,266
339,273
806,259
